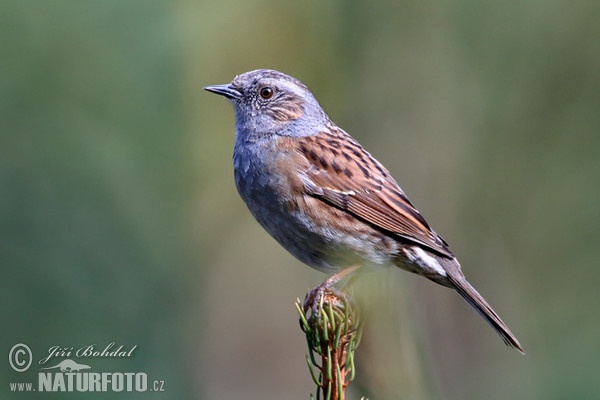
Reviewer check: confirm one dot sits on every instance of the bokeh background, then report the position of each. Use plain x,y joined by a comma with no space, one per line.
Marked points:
119,219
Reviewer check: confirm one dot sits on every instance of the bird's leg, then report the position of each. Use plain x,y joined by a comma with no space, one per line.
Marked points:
334,279
328,288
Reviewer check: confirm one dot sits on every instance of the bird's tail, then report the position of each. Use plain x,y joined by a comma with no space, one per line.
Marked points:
473,297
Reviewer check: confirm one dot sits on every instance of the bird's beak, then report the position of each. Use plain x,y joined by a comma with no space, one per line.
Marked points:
225,90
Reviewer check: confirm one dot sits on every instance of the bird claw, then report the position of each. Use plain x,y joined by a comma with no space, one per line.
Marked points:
328,292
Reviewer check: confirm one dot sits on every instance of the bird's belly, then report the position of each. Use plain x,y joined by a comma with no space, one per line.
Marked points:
317,234
318,245
314,240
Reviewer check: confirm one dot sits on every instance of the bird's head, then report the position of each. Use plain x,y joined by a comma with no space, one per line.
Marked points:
271,102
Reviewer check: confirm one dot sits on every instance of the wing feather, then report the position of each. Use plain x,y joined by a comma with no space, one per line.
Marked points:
350,179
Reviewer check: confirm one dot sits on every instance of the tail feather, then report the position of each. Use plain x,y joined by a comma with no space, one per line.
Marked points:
473,297
446,271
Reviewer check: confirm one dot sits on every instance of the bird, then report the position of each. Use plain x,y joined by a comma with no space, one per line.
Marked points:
323,197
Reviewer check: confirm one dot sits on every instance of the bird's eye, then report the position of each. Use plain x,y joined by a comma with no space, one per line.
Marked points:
266,92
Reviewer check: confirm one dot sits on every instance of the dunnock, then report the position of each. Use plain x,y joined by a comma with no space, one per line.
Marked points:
326,199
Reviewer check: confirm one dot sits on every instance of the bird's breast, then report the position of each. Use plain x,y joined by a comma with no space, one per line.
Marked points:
317,234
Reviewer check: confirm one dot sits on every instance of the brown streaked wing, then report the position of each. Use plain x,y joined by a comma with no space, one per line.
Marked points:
343,174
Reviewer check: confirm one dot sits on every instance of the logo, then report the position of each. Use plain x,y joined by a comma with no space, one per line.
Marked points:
69,366
57,373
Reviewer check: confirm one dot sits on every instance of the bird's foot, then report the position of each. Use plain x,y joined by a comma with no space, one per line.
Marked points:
327,291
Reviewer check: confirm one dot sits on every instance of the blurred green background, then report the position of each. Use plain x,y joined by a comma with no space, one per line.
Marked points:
120,221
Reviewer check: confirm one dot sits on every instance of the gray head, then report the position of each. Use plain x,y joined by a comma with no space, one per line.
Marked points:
269,102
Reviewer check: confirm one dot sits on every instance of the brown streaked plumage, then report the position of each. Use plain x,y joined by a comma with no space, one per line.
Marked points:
352,180
323,197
